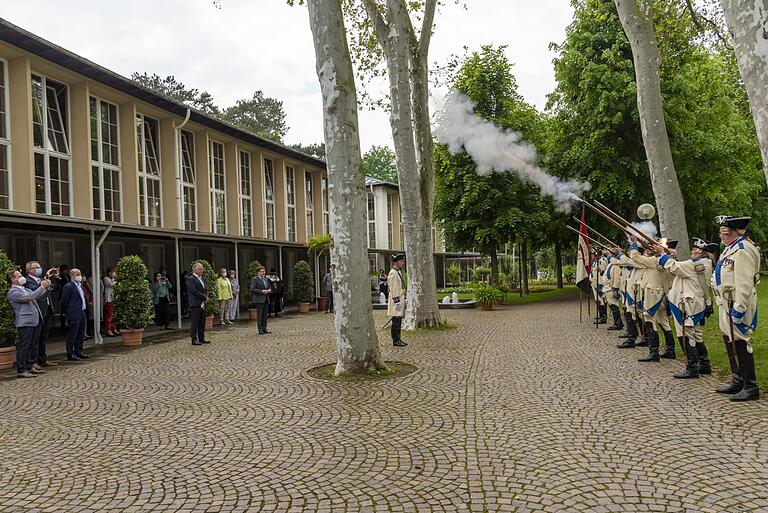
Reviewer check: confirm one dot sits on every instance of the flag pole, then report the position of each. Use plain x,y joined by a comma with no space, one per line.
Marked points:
581,304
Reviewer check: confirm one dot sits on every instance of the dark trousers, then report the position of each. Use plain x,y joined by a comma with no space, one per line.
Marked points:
28,336
276,304
329,301
262,311
161,311
397,324
75,335
45,327
197,323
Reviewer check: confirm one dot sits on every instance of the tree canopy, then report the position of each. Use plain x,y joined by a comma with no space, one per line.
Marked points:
380,162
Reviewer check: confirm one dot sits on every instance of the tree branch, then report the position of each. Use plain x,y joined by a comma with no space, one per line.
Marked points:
696,18
426,28
380,27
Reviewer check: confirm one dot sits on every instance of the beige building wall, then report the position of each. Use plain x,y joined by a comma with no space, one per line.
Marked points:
257,193
202,182
232,188
301,201
168,184
20,110
279,170
317,194
129,171
80,149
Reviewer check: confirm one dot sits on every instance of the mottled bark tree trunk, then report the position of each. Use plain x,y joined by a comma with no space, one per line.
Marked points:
639,29
406,57
748,23
356,342
559,265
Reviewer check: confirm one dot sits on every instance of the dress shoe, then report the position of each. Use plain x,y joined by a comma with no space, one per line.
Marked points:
83,356
267,331
262,332
25,374
36,366
206,342
627,344
668,355
196,343
109,334
37,371
73,358
649,358
399,343
49,364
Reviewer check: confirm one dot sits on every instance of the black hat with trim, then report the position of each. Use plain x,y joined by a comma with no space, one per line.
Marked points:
709,247
737,223
398,257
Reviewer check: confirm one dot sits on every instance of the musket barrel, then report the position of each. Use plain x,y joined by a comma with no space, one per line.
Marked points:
606,239
588,237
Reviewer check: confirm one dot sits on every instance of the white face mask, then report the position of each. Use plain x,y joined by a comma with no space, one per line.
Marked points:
21,281
78,278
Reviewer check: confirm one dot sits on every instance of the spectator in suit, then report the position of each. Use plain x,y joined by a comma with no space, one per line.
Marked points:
33,281
63,277
261,288
109,291
197,296
87,284
29,320
73,306
234,305
184,296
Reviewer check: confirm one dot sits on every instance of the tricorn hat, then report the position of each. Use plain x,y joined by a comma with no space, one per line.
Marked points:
398,257
737,223
671,244
709,247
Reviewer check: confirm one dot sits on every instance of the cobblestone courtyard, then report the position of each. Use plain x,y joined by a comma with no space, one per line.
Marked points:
521,409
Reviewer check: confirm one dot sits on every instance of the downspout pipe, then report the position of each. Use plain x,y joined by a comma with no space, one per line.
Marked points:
179,207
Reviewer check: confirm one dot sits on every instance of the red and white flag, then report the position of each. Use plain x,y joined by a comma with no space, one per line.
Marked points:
583,267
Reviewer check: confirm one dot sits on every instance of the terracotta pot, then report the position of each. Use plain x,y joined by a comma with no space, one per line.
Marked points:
321,301
303,307
132,337
209,322
7,357
486,306
253,314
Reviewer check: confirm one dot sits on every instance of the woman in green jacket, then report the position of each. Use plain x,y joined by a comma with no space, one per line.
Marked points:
224,288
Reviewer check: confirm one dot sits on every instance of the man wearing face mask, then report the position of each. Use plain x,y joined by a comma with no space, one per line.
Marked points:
73,305
29,319
34,281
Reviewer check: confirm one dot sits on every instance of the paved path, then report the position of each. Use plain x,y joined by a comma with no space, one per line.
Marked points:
521,409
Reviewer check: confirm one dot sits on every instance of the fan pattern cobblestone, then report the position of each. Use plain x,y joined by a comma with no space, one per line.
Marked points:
519,410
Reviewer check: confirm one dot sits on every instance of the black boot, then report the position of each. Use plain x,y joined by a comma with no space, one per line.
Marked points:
602,314
653,344
749,392
617,323
736,382
669,340
640,327
692,362
701,351
630,326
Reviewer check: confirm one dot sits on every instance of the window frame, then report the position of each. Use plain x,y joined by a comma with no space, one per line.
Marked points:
6,141
245,231
291,232
325,199
47,153
309,203
266,201
215,222
371,220
186,185
100,163
145,176
390,221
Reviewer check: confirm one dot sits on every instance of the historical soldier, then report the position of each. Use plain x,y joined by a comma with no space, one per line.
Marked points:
734,283
396,301
612,290
688,302
654,303
598,268
628,297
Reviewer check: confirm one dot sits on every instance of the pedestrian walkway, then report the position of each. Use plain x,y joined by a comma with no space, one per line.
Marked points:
521,409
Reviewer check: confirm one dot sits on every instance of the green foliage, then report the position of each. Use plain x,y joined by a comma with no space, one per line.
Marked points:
302,288
319,244
488,295
8,332
171,87
569,273
454,274
380,162
316,150
209,277
132,297
481,273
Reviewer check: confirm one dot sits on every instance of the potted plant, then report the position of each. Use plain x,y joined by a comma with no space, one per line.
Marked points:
132,299
302,288
487,296
318,245
212,305
8,331
251,274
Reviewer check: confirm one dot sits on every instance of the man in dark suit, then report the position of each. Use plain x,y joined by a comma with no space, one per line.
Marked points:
261,288
28,320
197,297
73,305
34,279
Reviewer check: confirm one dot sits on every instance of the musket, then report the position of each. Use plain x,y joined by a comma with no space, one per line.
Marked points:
626,223
606,239
588,237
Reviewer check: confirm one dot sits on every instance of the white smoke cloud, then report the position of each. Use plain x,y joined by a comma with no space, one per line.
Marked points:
646,227
493,148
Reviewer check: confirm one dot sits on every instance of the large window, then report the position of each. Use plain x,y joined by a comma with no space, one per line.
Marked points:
50,136
390,230
147,144
310,205
5,141
246,201
188,191
218,196
290,200
326,217
371,220
105,161
269,200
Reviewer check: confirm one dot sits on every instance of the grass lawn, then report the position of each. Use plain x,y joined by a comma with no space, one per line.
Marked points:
513,298
713,337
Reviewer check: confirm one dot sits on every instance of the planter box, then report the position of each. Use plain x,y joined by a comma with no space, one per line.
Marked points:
253,314
321,302
486,306
303,307
209,322
132,337
7,357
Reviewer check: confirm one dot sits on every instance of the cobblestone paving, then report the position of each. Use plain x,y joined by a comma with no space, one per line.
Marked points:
520,409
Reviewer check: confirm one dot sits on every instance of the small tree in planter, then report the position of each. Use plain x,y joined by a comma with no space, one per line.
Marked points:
212,305
454,274
8,331
488,296
302,288
251,274
318,245
132,299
